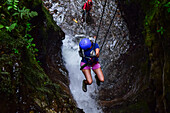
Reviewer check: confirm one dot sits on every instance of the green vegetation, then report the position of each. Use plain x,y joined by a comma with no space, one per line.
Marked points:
157,39
16,20
156,34
153,19
22,80
157,13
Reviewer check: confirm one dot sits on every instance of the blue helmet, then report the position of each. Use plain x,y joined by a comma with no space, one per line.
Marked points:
85,43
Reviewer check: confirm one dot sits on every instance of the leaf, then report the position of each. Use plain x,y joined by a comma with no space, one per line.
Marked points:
15,14
21,15
28,27
146,23
28,24
16,1
27,46
158,2
10,7
30,40
10,1
27,10
36,50
1,26
33,45
15,6
16,51
15,9
33,13
158,30
7,28
167,5
12,26
168,10
23,8
28,35
161,30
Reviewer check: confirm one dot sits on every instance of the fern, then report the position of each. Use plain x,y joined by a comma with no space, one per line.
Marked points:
26,13
13,4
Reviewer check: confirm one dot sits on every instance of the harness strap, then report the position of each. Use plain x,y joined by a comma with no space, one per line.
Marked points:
87,64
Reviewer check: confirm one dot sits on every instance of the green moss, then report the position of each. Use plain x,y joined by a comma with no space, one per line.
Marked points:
8,59
49,20
156,18
28,77
36,2
158,44
32,4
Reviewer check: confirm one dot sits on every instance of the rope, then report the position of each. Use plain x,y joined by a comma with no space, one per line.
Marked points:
108,29
85,22
85,14
100,21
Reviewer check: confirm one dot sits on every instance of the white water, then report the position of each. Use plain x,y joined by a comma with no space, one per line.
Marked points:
72,60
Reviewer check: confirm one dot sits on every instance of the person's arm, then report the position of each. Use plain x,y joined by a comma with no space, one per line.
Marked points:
84,8
97,52
97,49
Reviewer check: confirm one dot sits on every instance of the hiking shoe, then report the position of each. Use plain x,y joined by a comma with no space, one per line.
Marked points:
97,80
84,87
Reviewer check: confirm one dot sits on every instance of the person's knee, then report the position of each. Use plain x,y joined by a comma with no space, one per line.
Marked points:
101,79
90,82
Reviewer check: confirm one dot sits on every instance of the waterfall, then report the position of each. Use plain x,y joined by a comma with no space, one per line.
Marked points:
64,12
85,100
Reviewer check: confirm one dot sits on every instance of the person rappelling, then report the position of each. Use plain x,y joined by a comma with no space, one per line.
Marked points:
86,9
89,52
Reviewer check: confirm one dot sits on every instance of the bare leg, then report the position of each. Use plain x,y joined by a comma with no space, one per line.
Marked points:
99,74
87,74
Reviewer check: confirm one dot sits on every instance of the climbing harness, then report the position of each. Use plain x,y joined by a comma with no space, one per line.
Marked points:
91,62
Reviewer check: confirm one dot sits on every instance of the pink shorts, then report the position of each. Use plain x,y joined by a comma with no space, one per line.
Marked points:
96,66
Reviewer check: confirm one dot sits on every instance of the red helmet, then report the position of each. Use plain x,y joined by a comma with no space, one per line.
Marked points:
89,1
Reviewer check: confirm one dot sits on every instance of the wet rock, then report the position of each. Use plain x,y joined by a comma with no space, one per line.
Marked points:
55,11
55,1
48,4
48,39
